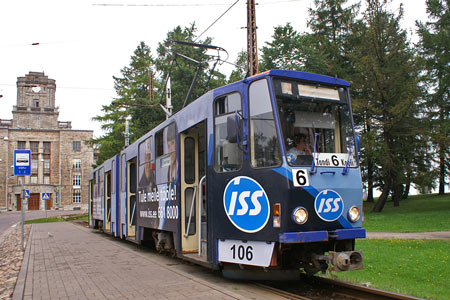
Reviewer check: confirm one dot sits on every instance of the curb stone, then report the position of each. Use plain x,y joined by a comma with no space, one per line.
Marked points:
20,285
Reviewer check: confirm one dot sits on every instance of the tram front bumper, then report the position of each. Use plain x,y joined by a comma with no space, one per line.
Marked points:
322,236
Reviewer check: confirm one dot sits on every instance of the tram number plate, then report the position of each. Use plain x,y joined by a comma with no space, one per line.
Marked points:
300,177
253,253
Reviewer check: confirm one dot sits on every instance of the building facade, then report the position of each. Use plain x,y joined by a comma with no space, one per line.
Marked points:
61,160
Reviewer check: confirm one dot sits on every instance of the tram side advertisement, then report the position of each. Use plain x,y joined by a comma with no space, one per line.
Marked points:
158,207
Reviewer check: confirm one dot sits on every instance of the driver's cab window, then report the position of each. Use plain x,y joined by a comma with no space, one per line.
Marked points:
315,121
227,132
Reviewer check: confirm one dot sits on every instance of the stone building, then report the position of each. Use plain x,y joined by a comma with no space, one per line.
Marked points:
60,159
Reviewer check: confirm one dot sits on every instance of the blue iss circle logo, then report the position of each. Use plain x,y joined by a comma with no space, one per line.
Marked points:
329,205
246,204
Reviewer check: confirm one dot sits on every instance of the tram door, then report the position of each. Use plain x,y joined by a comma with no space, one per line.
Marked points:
189,192
107,201
131,197
192,160
91,202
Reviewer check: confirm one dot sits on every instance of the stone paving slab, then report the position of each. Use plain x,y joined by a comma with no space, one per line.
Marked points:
67,261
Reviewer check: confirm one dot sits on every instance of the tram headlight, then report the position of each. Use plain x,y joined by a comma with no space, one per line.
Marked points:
354,214
300,215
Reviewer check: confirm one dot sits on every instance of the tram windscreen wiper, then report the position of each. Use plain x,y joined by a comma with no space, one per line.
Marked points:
348,163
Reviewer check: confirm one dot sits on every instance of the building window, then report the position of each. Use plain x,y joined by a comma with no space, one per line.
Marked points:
46,179
33,179
76,180
34,146
34,163
20,180
76,196
46,165
21,145
76,164
46,147
76,146
36,103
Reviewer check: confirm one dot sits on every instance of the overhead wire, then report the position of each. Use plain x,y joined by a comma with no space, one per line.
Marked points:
216,20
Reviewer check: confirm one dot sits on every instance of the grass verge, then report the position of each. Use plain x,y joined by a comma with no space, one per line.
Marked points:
76,217
413,267
45,220
421,213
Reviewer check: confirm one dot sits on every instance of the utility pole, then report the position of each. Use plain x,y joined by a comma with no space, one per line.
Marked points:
252,48
151,86
127,132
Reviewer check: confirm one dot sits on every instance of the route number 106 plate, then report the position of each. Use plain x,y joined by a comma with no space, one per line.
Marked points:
248,253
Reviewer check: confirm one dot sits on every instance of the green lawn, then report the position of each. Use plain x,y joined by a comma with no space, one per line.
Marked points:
413,267
421,213
417,268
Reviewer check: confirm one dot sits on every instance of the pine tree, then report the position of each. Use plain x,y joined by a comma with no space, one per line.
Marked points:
388,91
182,71
291,50
132,101
435,50
331,24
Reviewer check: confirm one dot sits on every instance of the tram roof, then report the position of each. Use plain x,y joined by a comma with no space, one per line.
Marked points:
301,76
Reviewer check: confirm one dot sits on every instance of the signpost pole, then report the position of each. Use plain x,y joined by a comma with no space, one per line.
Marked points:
22,167
22,215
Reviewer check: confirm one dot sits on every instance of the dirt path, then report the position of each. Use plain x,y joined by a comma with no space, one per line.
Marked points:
437,235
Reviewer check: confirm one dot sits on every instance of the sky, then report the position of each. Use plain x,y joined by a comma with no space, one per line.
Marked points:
83,44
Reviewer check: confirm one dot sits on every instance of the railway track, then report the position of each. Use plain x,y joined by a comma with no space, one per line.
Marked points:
327,289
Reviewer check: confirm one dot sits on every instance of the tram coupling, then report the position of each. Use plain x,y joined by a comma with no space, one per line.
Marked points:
341,261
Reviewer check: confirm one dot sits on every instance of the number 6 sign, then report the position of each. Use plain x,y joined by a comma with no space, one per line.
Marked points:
300,177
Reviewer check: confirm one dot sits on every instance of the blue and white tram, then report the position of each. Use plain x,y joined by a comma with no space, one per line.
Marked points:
257,177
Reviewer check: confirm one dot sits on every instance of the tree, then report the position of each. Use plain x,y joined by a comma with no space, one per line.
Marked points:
435,49
182,70
388,89
292,51
240,72
133,93
331,25
132,101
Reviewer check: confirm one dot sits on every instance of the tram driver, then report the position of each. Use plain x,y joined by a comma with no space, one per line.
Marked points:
301,152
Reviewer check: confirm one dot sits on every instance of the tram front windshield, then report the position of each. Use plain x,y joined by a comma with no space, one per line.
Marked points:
315,122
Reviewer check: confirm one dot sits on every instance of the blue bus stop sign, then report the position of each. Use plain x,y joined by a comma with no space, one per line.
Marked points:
22,162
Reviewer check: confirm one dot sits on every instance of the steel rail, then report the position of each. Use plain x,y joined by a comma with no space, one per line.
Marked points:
335,289
363,292
282,293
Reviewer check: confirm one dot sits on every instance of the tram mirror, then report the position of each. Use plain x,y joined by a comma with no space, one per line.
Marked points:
232,130
358,143
290,116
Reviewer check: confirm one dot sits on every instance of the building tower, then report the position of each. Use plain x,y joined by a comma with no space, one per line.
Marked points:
60,159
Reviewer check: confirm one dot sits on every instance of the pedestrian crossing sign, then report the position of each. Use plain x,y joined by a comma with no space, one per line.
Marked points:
45,196
26,194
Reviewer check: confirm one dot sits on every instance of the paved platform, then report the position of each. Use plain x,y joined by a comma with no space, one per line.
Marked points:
67,261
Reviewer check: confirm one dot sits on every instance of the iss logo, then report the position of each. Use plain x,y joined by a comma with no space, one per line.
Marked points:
329,205
246,204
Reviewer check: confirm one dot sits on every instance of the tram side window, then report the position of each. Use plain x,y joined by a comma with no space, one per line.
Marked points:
145,163
165,147
228,156
123,173
101,182
265,148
